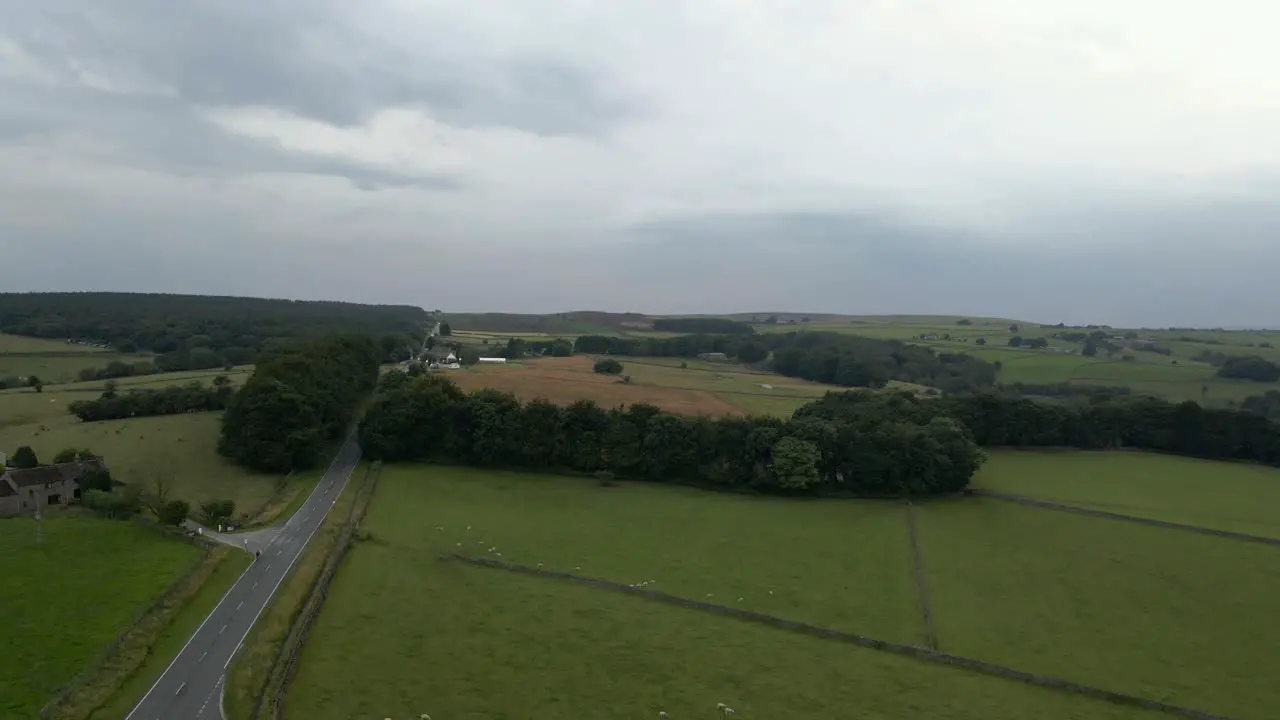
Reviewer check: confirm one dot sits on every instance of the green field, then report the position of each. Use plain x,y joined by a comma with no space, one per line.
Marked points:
1225,496
53,361
64,600
1159,613
183,446
1162,614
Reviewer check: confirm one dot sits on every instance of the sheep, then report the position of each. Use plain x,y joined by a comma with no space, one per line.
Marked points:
728,711
721,706
662,713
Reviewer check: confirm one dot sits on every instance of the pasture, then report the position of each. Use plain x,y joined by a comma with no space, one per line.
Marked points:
53,361
183,447
1160,613
64,600
1225,496
404,633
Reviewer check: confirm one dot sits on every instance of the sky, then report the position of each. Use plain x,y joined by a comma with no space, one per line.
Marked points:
1092,161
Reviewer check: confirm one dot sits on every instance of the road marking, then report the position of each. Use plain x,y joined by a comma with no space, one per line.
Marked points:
240,605
206,652
255,584
181,687
269,564
206,700
224,627
332,464
346,477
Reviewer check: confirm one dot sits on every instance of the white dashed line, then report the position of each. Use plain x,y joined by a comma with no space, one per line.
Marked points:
224,627
201,659
240,605
181,687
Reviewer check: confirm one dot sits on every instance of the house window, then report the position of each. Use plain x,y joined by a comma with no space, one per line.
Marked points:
76,495
54,499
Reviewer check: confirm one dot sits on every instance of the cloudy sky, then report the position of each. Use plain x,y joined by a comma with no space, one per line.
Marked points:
1086,161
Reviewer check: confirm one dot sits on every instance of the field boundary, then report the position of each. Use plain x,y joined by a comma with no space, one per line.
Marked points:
158,613
1152,522
922,592
281,674
920,653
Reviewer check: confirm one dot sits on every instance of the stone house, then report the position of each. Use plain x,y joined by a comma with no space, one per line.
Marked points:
25,491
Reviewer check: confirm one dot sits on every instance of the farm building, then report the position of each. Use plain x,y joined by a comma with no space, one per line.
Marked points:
713,357
27,490
492,360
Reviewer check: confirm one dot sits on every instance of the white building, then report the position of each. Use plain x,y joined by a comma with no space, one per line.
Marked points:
493,360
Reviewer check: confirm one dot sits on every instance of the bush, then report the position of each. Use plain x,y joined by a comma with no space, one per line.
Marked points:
607,366
217,512
25,458
174,512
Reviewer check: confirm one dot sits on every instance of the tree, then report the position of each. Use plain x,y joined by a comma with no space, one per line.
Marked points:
25,458
1090,349
445,329
795,463
431,342
109,390
100,480
217,512
67,455
1015,341
753,352
980,341
221,381
174,512
966,321
607,366
155,490
35,382
468,356
804,319
771,320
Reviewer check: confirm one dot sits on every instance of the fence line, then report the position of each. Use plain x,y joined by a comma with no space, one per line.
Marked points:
922,592
913,651
290,650
1048,504
172,592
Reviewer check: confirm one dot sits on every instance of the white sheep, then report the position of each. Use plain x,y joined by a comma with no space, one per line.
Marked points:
662,713
721,706
728,711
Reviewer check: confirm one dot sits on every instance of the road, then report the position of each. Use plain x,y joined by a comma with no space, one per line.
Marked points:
189,687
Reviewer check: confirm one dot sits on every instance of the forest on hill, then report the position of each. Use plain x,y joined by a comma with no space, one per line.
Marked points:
193,332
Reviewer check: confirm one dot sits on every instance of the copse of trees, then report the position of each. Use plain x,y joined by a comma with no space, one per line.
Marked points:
720,326
859,452
1250,368
607,366
118,369
192,327
1267,405
191,397
853,361
298,399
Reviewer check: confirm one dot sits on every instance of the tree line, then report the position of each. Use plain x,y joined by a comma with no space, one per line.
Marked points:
196,327
825,357
697,325
429,418
191,397
299,399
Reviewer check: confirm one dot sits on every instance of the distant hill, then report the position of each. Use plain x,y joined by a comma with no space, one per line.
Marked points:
584,322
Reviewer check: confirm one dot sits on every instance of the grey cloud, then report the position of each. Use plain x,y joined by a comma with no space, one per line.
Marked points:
307,56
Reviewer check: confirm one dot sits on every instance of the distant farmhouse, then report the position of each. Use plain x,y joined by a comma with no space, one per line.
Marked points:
25,491
713,357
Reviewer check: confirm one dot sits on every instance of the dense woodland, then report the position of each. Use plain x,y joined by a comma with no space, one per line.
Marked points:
196,332
707,325
298,400
192,397
876,454
825,357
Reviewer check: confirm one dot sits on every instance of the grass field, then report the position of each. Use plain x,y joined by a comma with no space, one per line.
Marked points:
1160,613
184,446
53,361
64,600
1226,496
403,633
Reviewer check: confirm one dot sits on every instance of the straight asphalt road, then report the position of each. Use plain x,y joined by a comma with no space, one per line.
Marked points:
189,688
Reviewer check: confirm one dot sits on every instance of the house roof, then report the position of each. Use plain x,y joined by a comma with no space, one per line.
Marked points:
53,473
6,490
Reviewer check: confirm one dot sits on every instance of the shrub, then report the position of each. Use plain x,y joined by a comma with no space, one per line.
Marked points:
608,366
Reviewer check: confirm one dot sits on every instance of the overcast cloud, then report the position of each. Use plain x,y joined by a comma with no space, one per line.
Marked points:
1088,161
